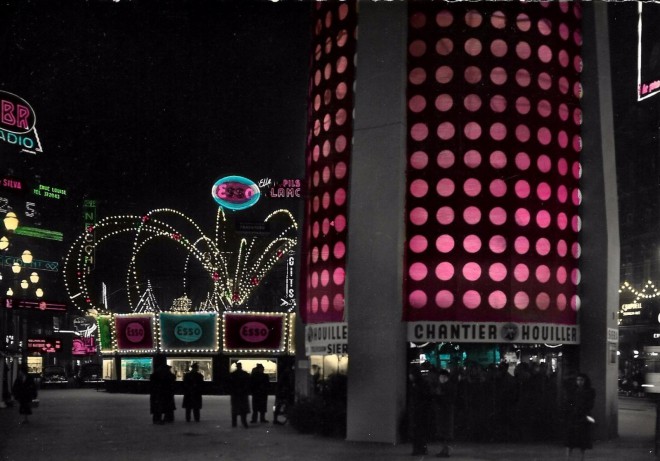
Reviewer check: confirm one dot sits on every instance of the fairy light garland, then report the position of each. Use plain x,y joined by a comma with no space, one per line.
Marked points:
648,292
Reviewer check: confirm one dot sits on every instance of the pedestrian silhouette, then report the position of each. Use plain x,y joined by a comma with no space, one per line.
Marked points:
239,390
578,404
161,394
259,384
193,383
24,390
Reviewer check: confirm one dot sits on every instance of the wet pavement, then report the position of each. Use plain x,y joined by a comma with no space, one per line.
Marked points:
85,424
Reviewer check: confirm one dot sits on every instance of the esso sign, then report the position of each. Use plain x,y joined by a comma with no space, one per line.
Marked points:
188,332
254,332
134,332
235,192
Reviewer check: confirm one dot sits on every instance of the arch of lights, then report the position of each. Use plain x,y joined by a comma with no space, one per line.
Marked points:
234,273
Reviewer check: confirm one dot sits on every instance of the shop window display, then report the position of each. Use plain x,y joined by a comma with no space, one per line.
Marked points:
181,366
139,368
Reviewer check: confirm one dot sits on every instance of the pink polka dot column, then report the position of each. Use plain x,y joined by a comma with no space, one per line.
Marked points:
493,194
330,121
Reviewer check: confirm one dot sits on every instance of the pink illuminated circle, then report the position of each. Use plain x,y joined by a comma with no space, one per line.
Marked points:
521,300
325,278
339,250
316,178
498,20
315,279
472,158
342,64
472,187
418,244
563,85
418,20
497,299
416,104
338,302
417,48
417,299
327,71
545,54
498,159
326,226
340,170
543,219
445,187
498,75
315,304
577,143
498,131
523,23
577,170
563,112
542,273
542,301
444,243
340,223
444,46
444,102
575,303
562,194
326,174
445,215
543,163
327,122
316,203
472,215
497,244
562,275
576,197
342,37
523,50
497,188
446,130
472,74
445,159
472,243
562,221
521,245
497,216
577,90
472,130
562,248
472,102
498,48
417,76
578,64
576,276
418,271
497,272
577,116
444,74
564,32
561,302
522,161
419,131
522,217
444,271
576,250
471,299
316,228
473,46
544,108
326,148
419,160
444,299
315,153
340,143
498,103
419,188
523,78
473,18
419,216
444,18
544,136
522,105
543,191
521,272
522,188
544,26
325,252
543,246
522,133
315,254
563,58
325,201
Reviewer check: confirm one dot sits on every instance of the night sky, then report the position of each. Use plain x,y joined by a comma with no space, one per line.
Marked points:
143,105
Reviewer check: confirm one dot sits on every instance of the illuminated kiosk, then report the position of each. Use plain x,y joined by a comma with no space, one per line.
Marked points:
460,138
130,343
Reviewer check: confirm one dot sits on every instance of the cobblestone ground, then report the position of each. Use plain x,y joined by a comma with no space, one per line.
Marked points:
85,424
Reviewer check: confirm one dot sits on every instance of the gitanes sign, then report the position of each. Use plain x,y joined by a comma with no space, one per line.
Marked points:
17,123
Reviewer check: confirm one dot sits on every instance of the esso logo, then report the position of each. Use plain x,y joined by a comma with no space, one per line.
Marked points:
254,332
134,332
188,332
235,192
16,115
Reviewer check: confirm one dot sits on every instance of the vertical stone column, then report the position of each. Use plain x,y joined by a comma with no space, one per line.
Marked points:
377,339
600,231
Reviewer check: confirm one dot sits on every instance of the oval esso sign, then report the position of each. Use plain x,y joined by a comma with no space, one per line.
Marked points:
254,332
235,192
134,332
188,332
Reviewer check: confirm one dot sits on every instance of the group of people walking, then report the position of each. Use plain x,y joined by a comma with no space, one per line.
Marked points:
495,405
241,386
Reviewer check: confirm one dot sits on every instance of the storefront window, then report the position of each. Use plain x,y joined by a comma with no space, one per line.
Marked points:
35,365
109,369
138,368
270,366
181,366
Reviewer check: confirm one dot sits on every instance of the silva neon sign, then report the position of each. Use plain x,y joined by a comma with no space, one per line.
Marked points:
17,123
235,192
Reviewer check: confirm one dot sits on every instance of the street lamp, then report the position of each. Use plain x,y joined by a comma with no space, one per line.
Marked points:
11,221
39,292
10,292
16,267
34,277
26,257
4,243
24,284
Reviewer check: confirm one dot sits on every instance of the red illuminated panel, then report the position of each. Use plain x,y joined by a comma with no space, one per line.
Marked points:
330,131
493,162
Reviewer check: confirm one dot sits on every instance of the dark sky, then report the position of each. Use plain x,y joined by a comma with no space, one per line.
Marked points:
145,104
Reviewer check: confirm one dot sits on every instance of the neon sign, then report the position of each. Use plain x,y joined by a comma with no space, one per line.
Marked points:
17,123
235,192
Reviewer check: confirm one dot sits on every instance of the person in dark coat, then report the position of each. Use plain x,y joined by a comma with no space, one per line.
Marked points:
161,396
284,393
420,411
578,404
193,382
445,399
239,390
24,390
259,384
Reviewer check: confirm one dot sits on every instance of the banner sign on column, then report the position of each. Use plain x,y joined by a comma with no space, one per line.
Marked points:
326,338
493,332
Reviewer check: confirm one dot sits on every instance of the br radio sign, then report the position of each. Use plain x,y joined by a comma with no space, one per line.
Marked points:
18,123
